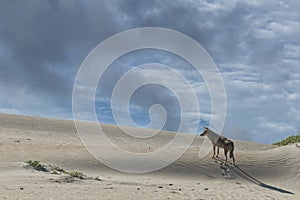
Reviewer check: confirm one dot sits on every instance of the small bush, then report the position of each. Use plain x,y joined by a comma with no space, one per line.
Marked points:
77,174
59,169
37,165
289,140
55,172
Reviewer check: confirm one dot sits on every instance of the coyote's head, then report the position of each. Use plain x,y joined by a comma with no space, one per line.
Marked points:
204,133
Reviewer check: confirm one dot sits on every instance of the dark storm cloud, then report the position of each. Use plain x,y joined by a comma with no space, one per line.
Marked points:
46,42
255,44
229,31
219,31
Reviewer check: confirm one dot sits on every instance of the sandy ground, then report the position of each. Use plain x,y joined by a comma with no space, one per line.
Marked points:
263,171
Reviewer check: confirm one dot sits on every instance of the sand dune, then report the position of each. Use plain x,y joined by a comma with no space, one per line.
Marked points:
263,171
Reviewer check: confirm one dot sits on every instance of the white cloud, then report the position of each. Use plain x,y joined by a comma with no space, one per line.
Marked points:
279,30
292,51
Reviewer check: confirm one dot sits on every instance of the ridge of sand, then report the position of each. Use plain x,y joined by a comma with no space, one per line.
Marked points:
263,172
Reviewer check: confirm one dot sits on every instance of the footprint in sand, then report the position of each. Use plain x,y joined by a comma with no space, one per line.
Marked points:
108,188
226,172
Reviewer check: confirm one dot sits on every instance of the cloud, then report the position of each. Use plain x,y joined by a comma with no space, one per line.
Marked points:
255,44
151,93
43,46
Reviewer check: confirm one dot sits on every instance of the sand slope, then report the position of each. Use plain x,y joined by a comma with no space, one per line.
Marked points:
263,172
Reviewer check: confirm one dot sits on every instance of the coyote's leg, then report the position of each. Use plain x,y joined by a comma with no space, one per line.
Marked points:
231,153
233,160
214,151
218,148
225,152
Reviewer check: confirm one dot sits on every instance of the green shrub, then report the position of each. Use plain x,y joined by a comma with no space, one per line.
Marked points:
37,165
59,169
77,174
56,170
289,140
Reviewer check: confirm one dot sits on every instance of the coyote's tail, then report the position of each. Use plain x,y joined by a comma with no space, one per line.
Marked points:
231,150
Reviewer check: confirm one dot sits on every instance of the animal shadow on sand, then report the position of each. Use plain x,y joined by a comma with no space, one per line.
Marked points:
237,170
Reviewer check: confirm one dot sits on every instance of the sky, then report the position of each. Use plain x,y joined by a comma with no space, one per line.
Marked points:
254,44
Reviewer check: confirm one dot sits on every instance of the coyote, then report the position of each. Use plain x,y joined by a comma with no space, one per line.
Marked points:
219,141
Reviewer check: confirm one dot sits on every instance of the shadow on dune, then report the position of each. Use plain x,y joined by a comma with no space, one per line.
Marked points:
237,170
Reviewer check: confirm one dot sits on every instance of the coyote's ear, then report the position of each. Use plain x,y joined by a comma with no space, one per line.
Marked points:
205,128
